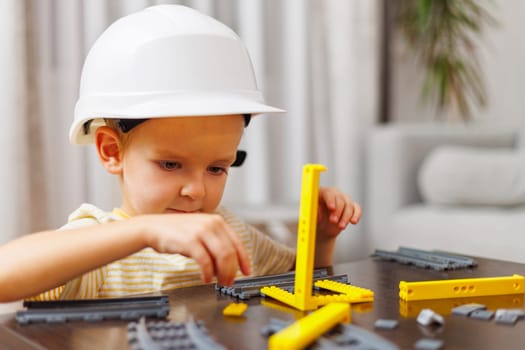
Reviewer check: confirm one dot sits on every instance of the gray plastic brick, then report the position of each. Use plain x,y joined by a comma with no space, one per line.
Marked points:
467,309
386,323
518,312
484,315
508,319
428,344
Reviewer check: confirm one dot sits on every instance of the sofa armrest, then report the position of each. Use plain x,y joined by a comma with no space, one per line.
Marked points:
396,151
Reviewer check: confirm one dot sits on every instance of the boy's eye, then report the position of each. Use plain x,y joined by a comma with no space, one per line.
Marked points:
167,165
217,170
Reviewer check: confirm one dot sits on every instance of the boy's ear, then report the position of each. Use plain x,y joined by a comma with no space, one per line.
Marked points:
109,149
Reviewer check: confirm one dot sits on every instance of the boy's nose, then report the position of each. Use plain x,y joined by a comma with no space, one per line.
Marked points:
193,188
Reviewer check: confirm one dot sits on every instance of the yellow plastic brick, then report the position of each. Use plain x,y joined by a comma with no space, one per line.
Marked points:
303,332
314,301
234,309
356,294
460,288
280,294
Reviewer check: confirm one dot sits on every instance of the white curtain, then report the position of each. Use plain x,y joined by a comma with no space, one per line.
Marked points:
317,59
13,139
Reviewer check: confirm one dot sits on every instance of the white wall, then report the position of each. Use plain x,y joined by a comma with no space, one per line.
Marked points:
502,57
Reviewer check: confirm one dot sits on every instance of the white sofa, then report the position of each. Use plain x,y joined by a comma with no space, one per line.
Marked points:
396,215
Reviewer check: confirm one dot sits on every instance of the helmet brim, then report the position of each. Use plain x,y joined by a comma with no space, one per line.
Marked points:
163,106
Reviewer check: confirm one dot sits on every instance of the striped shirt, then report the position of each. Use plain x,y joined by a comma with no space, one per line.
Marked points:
149,271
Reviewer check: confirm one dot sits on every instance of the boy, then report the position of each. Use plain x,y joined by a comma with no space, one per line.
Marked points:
165,95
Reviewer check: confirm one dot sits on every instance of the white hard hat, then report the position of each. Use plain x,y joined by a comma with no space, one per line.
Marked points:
165,61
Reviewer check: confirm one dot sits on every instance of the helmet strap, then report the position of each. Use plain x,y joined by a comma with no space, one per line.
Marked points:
247,118
240,157
125,125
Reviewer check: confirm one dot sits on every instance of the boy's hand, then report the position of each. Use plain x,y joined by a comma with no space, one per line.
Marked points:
336,211
206,238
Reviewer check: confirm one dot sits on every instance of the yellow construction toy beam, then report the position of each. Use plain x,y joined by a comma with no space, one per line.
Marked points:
303,332
444,306
302,297
304,261
460,288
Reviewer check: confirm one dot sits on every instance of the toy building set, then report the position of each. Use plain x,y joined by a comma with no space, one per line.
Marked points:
325,299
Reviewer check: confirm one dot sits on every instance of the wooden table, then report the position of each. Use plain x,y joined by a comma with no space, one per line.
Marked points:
203,303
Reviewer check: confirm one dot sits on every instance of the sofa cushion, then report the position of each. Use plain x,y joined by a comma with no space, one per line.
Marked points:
461,175
490,232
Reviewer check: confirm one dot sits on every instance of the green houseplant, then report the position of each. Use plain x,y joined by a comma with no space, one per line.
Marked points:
444,34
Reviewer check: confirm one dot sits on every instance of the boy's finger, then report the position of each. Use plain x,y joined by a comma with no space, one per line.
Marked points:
244,262
328,197
335,215
347,214
227,269
202,257
242,255
357,214
223,253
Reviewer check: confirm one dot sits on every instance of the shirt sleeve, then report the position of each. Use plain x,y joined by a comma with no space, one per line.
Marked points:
87,285
267,255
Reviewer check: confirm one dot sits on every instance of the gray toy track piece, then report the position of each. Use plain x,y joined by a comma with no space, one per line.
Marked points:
145,341
266,280
166,335
94,310
425,259
412,260
250,287
62,304
454,261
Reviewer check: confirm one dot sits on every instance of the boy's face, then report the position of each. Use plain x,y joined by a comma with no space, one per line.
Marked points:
178,165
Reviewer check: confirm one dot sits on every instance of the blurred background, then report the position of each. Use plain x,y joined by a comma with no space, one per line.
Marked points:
342,69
